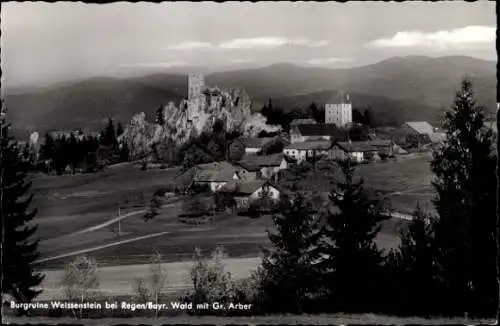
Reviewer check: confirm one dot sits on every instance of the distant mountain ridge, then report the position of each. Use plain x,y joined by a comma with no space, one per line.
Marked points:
402,88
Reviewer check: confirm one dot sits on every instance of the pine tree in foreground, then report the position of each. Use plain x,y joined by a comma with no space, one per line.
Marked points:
352,264
464,167
290,280
498,220
19,250
414,265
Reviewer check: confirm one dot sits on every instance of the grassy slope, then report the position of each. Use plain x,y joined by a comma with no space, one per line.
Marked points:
70,203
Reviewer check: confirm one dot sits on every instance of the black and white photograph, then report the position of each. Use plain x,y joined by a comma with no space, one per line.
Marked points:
249,163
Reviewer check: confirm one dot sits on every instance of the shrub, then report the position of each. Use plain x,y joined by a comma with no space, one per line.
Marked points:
79,278
194,206
150,287
211,282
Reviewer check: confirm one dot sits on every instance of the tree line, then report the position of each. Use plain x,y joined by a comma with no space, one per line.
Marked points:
327,260
277,115
86,153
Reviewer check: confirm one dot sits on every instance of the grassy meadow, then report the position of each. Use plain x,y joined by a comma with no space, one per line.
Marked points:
68,204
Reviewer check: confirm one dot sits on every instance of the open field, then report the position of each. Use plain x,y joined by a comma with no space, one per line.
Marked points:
68,204
403,182
406,181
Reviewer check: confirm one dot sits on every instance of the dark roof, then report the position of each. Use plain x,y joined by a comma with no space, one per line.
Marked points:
257,142
255,162
242,187
214,172
317,144
302,122
422,127
356,146
319,129
381,142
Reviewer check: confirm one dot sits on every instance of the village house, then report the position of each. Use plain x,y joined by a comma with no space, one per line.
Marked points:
300,151
296,122
256,145
358,151
246,191
423,131
317,131
413,134
384,146
262,167
214,175
418,127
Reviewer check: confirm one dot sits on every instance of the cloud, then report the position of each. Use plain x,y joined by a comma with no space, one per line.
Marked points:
253,43
269,43
168,64
309,43
249,43
459,37
325,61
241,61
191,45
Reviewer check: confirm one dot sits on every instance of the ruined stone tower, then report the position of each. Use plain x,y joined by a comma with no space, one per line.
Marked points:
338,110
196,86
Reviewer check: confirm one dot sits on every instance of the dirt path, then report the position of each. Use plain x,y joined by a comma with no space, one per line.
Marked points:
83,251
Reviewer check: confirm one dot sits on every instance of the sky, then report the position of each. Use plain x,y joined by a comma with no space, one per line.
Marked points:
44,43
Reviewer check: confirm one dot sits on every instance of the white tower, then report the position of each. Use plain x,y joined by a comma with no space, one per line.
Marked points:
339,111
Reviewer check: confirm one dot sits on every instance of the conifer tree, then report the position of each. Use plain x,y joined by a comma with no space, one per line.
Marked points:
119,130
414,263
292,280
160,118
368,118
109,137
464,167
19,250
73,152
47,149
352,268
498,219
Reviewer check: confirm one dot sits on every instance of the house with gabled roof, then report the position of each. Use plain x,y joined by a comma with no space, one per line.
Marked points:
215,174
262,166
418,127
358,151
383,146
256,145
300,151
316,131
296,122
246,191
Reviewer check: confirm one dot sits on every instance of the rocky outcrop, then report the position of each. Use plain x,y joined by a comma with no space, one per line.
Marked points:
194,116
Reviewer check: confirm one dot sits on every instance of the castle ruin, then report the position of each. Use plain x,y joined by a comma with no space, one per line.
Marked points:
196,97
